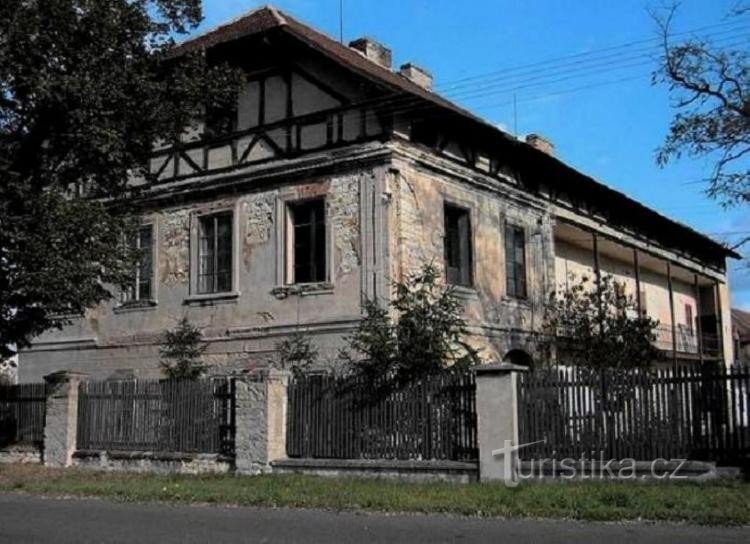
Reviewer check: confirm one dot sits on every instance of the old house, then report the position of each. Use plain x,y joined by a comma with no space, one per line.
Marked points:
741,335
338,172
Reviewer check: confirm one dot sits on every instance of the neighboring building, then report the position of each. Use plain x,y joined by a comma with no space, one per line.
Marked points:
741,335
339,174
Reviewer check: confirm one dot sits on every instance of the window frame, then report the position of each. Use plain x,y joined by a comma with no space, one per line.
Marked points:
513,292
288,241
195,294
136,299
465,269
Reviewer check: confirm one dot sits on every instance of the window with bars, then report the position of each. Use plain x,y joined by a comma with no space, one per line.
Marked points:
141,287
458,255
215,253
306,242
515,261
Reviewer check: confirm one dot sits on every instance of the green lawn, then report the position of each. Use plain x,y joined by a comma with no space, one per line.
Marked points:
718,502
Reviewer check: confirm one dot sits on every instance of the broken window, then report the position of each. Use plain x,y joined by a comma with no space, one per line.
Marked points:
140,289
458,246
306,242
515,261
215,253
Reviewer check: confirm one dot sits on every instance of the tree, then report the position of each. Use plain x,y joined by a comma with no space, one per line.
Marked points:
598,326
425,336
86,88
182,352
296,352
711,90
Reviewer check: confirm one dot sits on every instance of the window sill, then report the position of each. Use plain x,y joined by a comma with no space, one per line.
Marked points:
464,291
135,306
209,299
517,301
302,289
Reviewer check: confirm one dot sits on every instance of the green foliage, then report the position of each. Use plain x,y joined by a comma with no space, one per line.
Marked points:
425,336
710,86
296,353
86,88
182,352
599,327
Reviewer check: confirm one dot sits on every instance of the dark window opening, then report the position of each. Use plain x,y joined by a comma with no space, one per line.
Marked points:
308,240
689,318
515,261
215,253
458,258
141,286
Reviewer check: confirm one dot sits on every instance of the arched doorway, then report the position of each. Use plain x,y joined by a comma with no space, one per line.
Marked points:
518,357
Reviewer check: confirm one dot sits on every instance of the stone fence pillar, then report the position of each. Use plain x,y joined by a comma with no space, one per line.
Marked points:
497,421
61,417
260,421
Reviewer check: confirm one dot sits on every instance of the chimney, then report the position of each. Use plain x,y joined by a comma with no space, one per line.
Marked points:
541,143
417,75
376,52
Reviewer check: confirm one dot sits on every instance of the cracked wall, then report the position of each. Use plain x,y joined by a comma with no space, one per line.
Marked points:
242,331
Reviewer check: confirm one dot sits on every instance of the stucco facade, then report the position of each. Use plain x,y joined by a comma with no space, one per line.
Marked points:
316,123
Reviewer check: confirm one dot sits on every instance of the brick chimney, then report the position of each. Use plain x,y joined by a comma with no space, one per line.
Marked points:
417,74
541,143
375,51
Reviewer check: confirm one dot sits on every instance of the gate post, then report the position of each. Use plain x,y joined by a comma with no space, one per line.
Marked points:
61,417
260,421
497,421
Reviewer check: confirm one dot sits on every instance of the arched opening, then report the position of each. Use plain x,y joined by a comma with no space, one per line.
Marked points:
518,357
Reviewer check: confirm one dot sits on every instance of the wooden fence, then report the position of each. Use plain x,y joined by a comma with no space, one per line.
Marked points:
161,416
22,410
698,412
334,417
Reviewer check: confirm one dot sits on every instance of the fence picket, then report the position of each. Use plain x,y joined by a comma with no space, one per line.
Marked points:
681,412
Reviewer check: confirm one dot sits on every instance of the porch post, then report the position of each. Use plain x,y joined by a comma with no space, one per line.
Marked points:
698,313
637,270
671,313
497,421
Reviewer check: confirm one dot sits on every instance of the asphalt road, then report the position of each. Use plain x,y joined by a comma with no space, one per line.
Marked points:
25,519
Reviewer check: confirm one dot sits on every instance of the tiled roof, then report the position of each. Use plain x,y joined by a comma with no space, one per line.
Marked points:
407,92
268,17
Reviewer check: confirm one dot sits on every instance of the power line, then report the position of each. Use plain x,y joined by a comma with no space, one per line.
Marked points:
596,58
584,54
402,103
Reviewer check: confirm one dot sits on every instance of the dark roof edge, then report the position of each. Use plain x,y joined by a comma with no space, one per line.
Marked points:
268,17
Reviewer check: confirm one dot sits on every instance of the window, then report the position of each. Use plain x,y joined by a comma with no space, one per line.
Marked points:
141,287
457,246
306,242
215,253
515,261
689,318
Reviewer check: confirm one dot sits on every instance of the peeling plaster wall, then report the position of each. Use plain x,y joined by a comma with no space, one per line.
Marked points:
498,322
242,331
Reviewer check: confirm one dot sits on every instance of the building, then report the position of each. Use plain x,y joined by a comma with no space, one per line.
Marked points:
741,335
336,174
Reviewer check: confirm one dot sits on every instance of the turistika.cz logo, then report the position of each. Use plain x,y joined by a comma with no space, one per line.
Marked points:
585,467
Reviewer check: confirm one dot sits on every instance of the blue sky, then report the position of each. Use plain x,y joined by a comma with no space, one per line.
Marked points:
599,108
